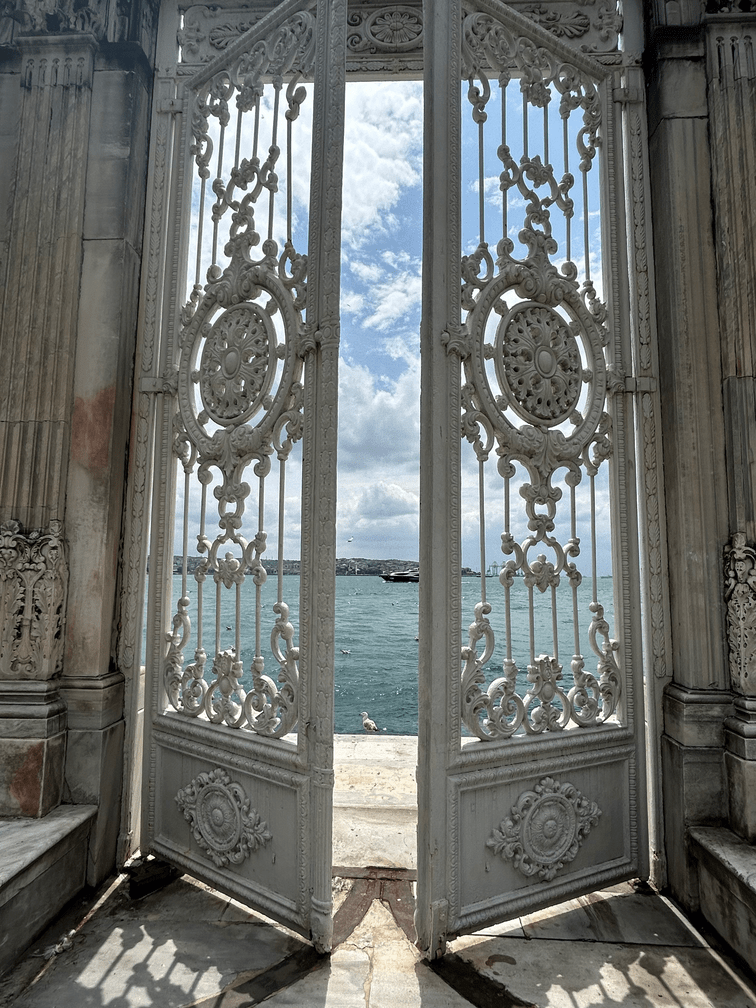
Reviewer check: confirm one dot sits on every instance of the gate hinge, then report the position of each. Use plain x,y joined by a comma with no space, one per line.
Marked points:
644,383
152,385
170,105
628,95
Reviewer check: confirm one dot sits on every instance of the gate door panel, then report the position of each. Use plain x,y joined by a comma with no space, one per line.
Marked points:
531,777
239,757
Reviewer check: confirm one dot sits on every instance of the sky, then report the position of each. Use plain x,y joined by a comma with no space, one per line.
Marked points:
379,436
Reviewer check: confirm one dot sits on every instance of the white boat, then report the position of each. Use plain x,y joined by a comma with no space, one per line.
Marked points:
408,576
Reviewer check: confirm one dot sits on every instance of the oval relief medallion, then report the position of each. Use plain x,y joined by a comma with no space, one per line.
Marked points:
222,821
545,829
537,360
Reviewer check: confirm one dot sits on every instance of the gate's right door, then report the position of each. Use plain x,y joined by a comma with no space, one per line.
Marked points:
531,786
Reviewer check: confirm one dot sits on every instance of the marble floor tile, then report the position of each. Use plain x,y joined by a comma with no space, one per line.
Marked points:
575,974
342,982
149,953
620,915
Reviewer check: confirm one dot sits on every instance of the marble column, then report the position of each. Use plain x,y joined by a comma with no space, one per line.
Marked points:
693,433
93,683
38,321
75,92
732,99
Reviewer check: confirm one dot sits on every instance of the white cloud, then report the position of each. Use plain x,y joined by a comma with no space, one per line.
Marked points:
382,154
393,298
387,500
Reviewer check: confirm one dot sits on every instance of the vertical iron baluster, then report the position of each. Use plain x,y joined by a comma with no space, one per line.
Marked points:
218,603
531,619
273,145
258,582
281,504
237,145
219,178
289,187
593,536
568,220
554,623
575,607
505,193
201,582
482,527
185,533
200,229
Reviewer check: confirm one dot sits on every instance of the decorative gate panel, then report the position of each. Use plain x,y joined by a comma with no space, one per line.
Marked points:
239,771
531,779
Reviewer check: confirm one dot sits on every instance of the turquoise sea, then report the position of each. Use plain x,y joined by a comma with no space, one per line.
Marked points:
376,631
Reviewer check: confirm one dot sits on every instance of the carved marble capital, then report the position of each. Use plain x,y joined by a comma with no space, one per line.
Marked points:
33,586
59,16
104,20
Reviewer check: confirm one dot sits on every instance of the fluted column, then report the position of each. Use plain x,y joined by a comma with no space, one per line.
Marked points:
38,325
731,63
693,431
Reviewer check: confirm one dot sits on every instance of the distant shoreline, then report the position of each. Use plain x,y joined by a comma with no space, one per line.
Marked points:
345,566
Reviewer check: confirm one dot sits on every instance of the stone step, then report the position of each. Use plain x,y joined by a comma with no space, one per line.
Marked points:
43,864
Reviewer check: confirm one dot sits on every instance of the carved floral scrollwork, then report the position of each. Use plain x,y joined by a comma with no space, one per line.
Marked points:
376,29
568,24
223,823
740,599
33,586
545,829
390,29
499,712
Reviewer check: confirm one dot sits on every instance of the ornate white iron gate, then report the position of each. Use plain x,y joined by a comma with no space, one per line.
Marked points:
248,372
530,791
524,362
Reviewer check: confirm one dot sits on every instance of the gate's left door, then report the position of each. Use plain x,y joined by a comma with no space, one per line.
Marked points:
238,772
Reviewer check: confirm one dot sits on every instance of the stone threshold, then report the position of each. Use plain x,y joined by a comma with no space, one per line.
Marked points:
727,886
43,864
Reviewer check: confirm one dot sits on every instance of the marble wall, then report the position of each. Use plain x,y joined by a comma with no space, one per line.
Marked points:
76,94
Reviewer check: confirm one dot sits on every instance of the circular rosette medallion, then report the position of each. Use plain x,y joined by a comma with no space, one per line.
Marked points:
218,818
238,364
549,829
537,362
394,28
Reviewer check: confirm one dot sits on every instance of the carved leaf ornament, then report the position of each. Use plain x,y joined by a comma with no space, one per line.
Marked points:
740,598
33,584
545,829
222,820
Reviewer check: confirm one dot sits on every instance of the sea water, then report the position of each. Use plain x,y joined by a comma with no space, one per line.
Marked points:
376,637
